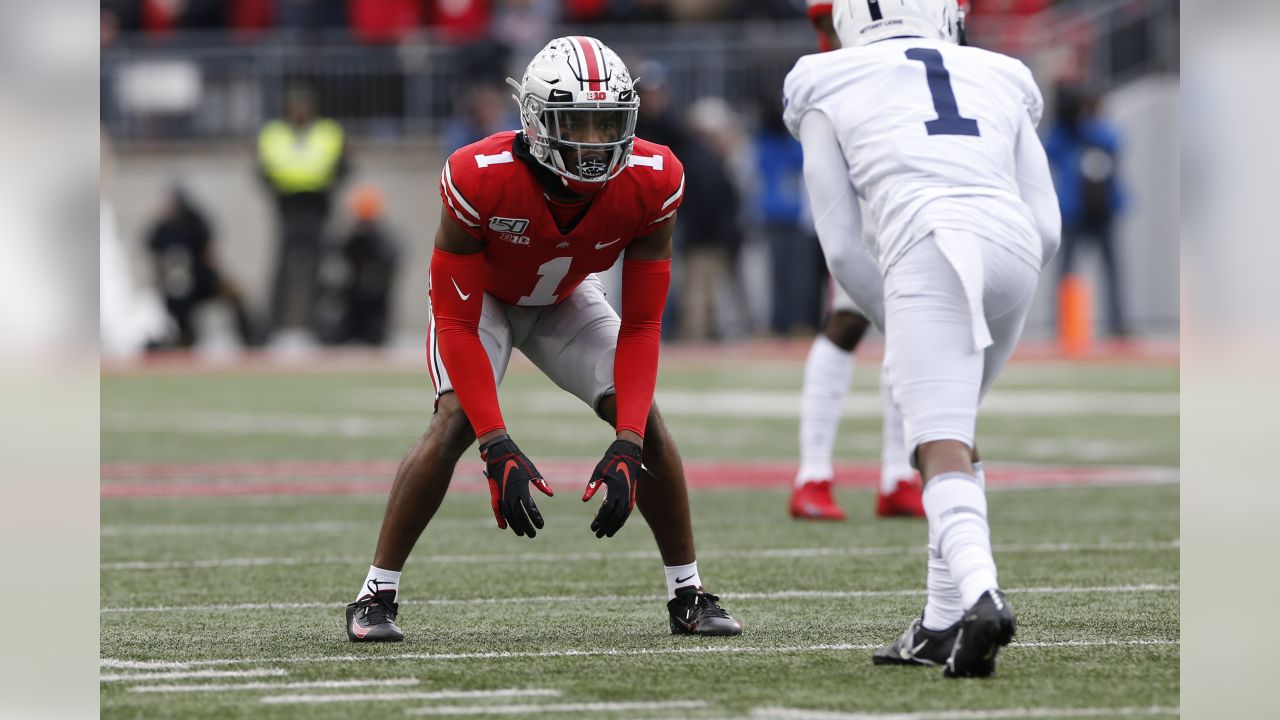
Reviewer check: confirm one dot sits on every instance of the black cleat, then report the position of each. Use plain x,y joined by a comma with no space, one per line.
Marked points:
695,612
988,626
918,646
372,618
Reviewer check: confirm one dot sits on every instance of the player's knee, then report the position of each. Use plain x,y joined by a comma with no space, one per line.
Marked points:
607,408
939,457
845,329
455,433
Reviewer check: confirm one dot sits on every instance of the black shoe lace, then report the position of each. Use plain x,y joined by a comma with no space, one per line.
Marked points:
706,602
376,608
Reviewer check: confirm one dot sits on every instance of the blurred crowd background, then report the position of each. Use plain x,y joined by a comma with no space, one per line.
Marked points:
270,166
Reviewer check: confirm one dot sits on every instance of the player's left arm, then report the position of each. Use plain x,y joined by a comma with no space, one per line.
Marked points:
646,275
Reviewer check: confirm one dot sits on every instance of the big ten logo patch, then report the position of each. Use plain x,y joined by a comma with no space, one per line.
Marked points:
514,226
514,239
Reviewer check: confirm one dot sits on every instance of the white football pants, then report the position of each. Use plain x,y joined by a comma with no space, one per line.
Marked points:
955,305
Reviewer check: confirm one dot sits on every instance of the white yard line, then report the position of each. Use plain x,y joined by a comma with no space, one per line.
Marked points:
596,707
590,652
779,553
994,714
194,674
578,599
415,695
247,687
738,404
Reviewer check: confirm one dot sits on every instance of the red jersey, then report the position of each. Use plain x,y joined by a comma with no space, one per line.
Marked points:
528,261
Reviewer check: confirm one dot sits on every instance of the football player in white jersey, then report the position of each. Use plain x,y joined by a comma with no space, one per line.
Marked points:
939,140
828,372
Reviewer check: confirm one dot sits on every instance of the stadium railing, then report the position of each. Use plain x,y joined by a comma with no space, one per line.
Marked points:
214,87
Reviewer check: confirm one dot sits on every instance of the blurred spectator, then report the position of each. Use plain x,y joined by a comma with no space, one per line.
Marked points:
384,21
586,11
709,229
459,20
794,258
657,122
303,159
1083,152
370,253
186,272
119,16
643,11
249,15
308,15
524,25
765,10
486,109
202,14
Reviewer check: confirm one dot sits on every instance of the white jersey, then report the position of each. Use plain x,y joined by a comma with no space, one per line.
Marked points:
928,130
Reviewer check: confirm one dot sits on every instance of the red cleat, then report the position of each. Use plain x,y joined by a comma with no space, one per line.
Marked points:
813,501
904,501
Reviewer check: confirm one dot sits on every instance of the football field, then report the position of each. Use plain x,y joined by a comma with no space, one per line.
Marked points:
240,507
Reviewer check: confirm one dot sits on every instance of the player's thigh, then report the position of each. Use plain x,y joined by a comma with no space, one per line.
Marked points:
495,336
574,343
929,349
1008,292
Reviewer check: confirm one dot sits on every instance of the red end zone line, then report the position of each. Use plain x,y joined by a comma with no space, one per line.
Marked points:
314,478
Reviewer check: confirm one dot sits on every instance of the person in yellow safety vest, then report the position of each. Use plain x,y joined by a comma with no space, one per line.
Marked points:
302,158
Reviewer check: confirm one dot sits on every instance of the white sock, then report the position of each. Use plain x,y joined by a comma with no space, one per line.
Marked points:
827,375
895,463
379,579
980,475
944,607
956,507
679,576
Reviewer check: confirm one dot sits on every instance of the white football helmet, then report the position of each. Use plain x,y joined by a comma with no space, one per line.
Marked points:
859,22
578,106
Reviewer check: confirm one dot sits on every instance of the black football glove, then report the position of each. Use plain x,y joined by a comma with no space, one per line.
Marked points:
510,473
618,472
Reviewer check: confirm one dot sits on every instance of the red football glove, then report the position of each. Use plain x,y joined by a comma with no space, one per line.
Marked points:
618,471
509,474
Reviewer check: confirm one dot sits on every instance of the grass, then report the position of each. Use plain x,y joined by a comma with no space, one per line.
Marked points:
470,589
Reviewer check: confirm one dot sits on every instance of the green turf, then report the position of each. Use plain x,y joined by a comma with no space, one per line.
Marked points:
606,595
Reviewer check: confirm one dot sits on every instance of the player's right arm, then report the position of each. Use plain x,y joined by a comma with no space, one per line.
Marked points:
837,216
457,298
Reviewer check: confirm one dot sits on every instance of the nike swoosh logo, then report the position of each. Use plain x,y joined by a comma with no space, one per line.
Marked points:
465,296
683,579
506,473
916,650
359,631
601,246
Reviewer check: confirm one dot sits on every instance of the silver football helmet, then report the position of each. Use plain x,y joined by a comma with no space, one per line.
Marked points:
578,107
859,22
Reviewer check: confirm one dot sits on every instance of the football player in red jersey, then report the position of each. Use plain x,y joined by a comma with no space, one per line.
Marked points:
529,217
